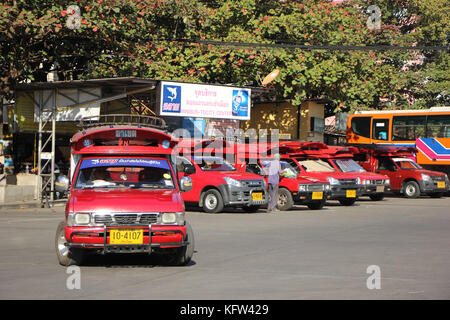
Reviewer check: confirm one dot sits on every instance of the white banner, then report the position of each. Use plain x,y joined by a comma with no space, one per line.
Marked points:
204,101
66,98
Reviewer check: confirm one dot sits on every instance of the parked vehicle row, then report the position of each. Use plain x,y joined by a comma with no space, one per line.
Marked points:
130,184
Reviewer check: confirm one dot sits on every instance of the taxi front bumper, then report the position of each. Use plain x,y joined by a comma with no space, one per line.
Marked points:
371,189
345,192
154,236
304,197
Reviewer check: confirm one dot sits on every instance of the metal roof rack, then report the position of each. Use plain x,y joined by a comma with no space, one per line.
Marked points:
123,119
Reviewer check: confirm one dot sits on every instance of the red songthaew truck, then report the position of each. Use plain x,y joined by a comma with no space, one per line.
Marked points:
217,183
406,176
124,195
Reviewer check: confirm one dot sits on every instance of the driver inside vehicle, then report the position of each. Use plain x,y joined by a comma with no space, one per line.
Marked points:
100,174
152,175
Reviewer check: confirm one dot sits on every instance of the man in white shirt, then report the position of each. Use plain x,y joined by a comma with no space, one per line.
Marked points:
274,170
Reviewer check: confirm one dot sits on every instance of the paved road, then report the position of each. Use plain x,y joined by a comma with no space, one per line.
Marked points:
300,254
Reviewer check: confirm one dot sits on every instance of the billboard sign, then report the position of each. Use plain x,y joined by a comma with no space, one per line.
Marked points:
204,101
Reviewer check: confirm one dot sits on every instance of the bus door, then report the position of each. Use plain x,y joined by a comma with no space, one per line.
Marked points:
380,129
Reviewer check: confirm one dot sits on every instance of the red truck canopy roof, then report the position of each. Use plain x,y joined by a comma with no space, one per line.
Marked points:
314,150
388,151
121,140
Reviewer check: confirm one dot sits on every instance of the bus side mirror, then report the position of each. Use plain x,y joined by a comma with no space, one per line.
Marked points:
185,184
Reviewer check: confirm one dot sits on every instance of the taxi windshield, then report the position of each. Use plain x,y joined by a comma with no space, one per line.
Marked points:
315,165
348,165
124,173
407,164
213,164
288,171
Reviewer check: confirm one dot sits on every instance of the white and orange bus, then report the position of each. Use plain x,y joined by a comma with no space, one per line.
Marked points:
428,130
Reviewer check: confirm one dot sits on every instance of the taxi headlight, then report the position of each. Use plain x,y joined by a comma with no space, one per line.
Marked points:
333,181
172,218
327,186
82,218
358,180
302,187
232,182
387,182
426,177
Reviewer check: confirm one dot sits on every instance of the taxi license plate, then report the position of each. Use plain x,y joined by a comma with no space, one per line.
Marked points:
317,195
351,194
257,196
441,184
126,236
380,188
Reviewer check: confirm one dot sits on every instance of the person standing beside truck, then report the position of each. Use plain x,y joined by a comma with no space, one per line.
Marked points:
274,170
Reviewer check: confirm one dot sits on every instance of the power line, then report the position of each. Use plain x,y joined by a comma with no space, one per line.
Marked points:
313,47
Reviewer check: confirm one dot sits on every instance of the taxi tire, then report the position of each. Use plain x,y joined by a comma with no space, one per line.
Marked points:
74,256
411,190
347,202
219,201
184,254
316,205
437,195
377,197
251,209
289,202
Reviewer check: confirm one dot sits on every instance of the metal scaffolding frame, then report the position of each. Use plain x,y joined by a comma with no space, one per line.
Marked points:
47,127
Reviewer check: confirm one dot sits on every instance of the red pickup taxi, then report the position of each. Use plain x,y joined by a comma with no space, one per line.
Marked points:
302,156
124,195
406,176
217,183
340,158
294,189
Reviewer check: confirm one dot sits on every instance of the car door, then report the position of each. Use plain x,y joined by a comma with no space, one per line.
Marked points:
194,194
386,166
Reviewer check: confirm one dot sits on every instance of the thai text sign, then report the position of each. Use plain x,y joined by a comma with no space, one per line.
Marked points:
204,101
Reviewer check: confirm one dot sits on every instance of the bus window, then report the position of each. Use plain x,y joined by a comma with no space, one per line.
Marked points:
380,129
438,126
361,126
408,128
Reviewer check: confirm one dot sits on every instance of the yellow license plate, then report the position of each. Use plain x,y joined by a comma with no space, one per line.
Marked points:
126,236
441,184
351,193
317,195
380,188
257,196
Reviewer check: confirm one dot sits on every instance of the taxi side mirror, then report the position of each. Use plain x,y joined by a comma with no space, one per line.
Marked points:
185,184
189,169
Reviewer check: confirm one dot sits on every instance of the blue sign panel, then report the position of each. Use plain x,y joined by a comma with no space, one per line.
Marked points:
171,98
240,103
124,162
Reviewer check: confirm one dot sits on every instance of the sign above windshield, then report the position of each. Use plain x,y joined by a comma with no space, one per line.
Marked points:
120,162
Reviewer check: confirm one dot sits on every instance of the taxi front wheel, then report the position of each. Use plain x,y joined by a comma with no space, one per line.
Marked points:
411,189
183,255
212,201
66,256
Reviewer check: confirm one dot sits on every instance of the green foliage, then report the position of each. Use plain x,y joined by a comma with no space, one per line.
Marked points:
155,39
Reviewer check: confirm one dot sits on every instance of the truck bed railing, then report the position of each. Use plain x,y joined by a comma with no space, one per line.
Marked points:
123,119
